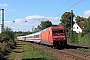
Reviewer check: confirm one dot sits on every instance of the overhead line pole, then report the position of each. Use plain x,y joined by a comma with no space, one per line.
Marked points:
71,24
2,24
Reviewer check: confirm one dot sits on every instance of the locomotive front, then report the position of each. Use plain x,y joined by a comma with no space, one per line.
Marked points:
59,36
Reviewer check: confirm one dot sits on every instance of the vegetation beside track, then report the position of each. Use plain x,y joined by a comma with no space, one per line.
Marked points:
30,52
7,42
16,53
24,51
83,49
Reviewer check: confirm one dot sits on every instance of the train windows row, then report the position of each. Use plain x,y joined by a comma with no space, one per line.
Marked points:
35,36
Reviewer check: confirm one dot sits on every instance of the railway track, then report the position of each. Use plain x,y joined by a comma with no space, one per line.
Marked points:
80,46
76,54
85,54
65,54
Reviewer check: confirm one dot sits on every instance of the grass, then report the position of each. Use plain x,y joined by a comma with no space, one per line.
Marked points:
1,45
29,52
83,49
14,52
12,55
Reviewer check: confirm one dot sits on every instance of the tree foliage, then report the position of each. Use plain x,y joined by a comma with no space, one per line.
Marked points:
7,35
43,25
81,38
86,25
66,20
79,19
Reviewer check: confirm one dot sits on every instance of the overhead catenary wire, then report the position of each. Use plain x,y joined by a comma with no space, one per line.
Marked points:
15,16
25,19
63,5
69,7
57,10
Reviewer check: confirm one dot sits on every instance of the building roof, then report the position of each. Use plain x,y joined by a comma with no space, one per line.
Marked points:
79,24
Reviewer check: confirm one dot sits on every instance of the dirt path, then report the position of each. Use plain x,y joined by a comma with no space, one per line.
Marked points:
18,50
18,56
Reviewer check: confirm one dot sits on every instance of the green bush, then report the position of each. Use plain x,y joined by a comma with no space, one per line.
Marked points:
75,38
7,35
85,39
11,45
80,38
1,55
72,37
6,48
3,49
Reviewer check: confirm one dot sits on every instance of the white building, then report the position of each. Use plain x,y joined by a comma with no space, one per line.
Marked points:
77,27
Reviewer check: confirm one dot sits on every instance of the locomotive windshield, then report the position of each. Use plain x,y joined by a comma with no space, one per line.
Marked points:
57,31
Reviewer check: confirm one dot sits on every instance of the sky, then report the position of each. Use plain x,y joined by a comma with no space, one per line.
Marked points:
35,11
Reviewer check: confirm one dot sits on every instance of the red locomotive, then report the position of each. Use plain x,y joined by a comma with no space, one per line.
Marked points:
53,36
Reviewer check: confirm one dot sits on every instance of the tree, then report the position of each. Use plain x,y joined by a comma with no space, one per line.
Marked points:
87,25
37,29
43,25
66,20
7,35
79,19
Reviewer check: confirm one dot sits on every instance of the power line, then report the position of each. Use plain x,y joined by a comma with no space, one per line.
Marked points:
14,15
57,10
11,14
70,7
63,5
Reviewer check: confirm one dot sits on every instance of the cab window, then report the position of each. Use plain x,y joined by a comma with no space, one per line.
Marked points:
57,31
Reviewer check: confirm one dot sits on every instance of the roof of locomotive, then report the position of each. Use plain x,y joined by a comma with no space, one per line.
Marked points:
57,27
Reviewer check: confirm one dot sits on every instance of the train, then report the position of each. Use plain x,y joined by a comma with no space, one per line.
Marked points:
53,36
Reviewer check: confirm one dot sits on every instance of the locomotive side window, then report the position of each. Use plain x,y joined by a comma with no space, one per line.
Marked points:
36,36
30,36
57,31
